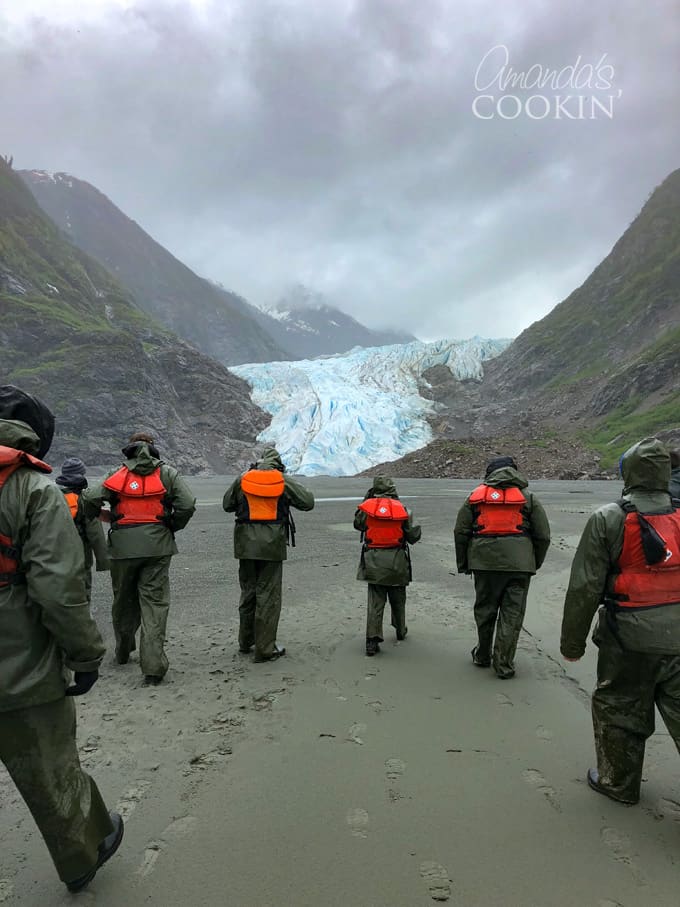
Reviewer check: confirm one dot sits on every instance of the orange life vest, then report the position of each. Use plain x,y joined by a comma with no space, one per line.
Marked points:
639,583
498,511
262,497
10,554
384,522
72,500
139,498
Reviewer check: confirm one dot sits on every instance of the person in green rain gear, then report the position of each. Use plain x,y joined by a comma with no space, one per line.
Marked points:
46,630
387,529
149,502
72,482
627,565
261,499
502,536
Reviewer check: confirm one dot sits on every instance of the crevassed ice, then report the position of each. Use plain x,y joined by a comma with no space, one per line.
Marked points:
339,415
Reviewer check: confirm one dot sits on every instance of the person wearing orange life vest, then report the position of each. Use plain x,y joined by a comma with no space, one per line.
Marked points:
261,499
72,482
46,629
387,530
502,536
150,502
627,564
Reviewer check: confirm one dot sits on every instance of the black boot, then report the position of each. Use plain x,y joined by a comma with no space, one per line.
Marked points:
107,848
372,646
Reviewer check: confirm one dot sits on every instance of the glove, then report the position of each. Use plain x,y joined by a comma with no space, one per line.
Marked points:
83,681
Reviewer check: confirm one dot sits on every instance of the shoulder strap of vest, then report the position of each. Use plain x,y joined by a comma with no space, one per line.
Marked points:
627,506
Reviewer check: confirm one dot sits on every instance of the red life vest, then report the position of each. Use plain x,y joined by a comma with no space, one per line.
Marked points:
263,497
139,498
498,511
10,554
72,501
384,522
640,584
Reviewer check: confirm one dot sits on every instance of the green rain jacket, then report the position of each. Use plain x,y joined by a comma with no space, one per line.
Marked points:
674,485
45,623
386,566
265,541
147,539
92,536
504,554
645,468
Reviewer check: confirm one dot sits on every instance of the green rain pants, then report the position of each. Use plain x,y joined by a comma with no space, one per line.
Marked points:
141,596
500,603
629,686
38,749
260,605
377,598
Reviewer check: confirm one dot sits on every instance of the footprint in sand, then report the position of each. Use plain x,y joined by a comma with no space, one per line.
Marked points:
621,849
668,808
543,733
130,798
175,830
502,699
607,903
395,769
6,889
535,779
357,819
355,732
437,879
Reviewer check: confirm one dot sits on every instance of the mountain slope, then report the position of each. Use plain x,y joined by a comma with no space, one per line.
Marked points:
218,322
70,333
607,360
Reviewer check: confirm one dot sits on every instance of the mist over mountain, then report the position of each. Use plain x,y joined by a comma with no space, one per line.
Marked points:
73,335
304,324
216,320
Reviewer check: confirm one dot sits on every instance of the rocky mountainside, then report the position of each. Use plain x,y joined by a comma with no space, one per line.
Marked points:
70,333
218,322
305,326
596,374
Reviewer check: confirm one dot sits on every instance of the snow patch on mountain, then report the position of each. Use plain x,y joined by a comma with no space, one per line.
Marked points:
342,414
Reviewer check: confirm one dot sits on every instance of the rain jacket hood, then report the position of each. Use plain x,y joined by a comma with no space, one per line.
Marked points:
16,404
270,459
646,466
506,475
383,487
19,435
142,460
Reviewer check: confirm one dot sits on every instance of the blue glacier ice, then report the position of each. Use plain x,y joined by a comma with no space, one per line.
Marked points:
339,415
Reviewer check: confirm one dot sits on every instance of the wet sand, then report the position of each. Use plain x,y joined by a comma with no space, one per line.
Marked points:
332,778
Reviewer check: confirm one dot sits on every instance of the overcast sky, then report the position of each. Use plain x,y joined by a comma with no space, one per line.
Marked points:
357,146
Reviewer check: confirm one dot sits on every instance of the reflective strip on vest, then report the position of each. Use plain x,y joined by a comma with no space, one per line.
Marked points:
639,584
263,490
139,498
384,522
498,511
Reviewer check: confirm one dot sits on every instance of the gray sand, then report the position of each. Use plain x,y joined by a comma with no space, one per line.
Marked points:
331,778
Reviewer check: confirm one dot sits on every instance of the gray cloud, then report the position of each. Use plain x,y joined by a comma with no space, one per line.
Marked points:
334,143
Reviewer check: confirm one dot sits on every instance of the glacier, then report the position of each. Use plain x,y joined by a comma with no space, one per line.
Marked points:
339,415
